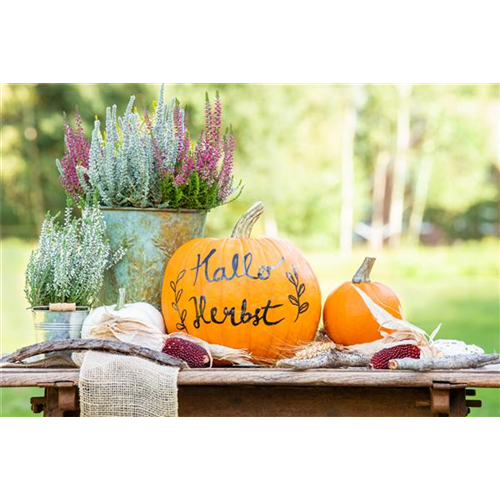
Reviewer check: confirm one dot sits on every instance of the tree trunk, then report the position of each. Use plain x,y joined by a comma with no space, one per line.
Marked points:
378,197
400,165
36,199
419,200
347,197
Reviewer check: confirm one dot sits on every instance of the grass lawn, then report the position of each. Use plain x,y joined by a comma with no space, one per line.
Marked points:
457,286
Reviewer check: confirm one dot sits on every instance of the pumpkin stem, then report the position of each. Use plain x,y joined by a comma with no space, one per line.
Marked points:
363,273
244,226
121,299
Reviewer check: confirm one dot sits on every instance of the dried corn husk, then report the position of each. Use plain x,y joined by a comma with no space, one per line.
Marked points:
402,332
133,331
220,354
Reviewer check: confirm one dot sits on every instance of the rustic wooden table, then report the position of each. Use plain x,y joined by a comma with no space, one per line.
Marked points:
280,392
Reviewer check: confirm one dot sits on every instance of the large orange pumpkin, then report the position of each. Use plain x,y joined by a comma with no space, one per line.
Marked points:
258,294
346,317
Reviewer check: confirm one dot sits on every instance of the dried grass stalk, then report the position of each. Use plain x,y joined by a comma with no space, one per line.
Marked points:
313,349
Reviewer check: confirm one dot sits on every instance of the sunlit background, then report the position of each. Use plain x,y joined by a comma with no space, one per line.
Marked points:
408,174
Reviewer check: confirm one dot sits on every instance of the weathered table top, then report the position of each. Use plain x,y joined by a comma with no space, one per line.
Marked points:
359,377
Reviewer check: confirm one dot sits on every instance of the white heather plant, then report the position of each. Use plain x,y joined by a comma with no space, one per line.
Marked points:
69,263
122,170
163,131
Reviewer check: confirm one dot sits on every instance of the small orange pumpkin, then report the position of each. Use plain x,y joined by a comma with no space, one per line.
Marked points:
346,317
258,294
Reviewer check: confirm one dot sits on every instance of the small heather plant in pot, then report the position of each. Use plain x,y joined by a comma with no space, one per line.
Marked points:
65,273
154,186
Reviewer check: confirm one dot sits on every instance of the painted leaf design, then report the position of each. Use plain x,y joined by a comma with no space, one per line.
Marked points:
293,300
172,286
304,307
291,278
301,290
178,295
174,306
181,275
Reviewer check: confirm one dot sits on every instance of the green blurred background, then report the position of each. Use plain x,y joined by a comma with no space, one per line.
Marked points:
409,174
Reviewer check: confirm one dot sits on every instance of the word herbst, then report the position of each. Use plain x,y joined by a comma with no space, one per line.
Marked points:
242,317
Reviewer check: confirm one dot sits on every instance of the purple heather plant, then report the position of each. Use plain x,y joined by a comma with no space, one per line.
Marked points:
76,153
203,174
185,160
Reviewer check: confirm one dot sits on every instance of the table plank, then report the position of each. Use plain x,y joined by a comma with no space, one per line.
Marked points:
42,377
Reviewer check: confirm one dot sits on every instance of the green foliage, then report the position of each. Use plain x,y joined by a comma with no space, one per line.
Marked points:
194,194
288,149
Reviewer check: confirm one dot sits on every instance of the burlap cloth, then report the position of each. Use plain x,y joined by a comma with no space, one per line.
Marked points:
125,386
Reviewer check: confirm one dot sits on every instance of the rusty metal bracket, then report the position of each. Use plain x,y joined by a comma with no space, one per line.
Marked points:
68,399
440,397
37,404
60,399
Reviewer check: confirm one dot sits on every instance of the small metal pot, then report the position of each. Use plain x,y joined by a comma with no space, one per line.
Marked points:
57,325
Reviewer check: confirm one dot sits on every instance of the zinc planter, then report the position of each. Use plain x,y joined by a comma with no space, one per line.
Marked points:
58,325
150,237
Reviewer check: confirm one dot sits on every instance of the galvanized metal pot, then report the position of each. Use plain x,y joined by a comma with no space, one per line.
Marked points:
151,236
58,325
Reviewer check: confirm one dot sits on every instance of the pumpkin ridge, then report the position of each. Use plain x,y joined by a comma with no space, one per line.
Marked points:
193,250
199,287
221,288
384,304
276,244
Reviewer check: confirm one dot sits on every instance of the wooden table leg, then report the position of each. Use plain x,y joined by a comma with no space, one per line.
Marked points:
61,438
450,400
458,411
